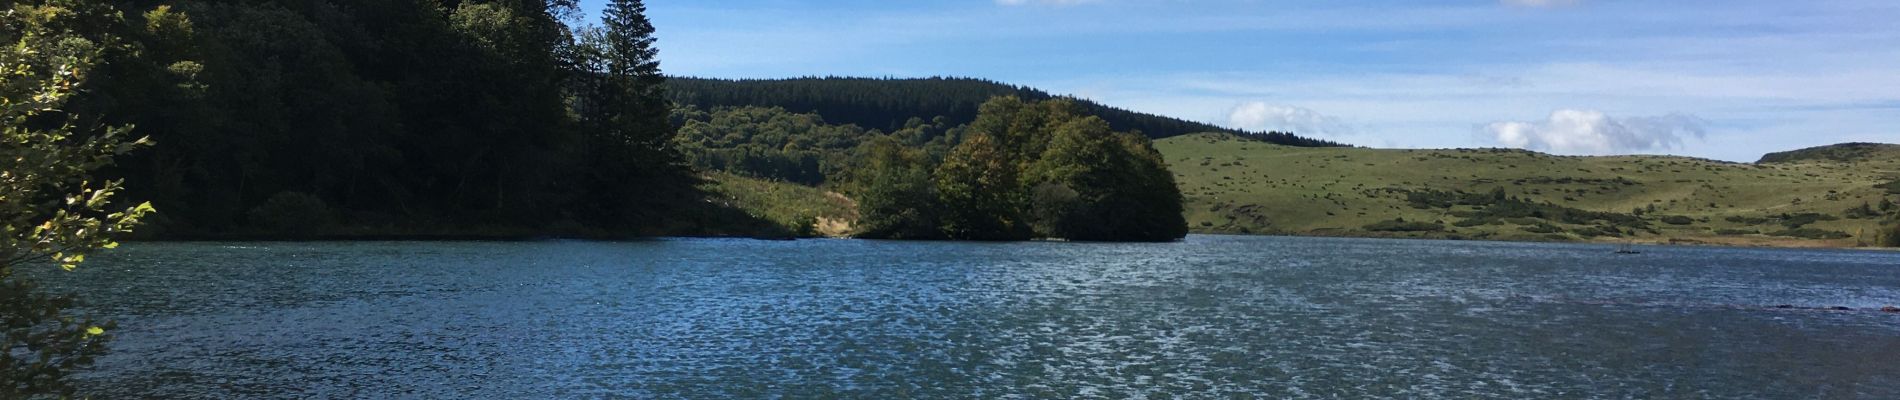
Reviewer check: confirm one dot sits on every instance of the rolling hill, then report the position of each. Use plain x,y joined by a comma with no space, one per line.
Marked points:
1812,197
1237,182
889,104
1846,152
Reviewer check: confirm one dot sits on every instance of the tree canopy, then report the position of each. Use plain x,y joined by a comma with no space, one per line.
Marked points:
392,116
1028,169
772,143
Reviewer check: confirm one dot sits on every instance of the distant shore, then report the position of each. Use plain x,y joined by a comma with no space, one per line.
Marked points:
526,237
1764,243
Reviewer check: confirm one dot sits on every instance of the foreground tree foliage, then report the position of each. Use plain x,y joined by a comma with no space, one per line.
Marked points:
1031,169
54,212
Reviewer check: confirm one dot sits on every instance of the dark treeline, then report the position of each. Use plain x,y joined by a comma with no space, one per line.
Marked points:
888,104
775,144
391,117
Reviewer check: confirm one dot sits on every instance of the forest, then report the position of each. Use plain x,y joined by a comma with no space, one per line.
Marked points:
294,118
891,104
303,119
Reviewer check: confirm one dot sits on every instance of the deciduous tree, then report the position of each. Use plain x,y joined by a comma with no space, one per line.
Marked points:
981,195
53,212
896,197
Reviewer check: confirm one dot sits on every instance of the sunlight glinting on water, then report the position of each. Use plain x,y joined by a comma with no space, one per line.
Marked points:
1210,317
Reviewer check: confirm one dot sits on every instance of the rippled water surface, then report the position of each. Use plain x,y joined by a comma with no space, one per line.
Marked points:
1212,317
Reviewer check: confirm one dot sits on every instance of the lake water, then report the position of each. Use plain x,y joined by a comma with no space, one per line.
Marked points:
1211,317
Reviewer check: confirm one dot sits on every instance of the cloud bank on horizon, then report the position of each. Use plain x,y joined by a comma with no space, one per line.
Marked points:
1262,117
1564,76
1593,132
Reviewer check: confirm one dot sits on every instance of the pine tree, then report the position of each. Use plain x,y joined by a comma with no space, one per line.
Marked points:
638,112
633,173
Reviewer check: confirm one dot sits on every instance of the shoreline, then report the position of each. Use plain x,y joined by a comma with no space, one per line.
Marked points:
489,237
1664,242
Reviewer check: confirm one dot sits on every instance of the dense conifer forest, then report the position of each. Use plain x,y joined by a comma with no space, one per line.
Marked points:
889,104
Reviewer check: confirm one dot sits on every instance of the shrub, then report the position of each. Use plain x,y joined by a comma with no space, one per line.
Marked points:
1892,187
1864,211
1400,225
1812,233
1596,231
1677,220
1542,228
1797,221
1736,232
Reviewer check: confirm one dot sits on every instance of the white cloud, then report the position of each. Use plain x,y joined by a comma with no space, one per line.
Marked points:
1593,132
1042,2
1540,3
1260,116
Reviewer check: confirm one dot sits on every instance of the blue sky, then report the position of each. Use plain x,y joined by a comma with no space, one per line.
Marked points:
1728,79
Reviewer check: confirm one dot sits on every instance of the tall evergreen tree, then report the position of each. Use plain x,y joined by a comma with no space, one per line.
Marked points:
635,106
634,173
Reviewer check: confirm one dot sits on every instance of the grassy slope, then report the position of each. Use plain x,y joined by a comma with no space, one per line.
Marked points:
803,210
1239,186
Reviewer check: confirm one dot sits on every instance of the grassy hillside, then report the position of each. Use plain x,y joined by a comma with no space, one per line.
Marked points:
1240,186
801,210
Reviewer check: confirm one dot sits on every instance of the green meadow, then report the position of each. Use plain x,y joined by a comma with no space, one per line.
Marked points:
1808,198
